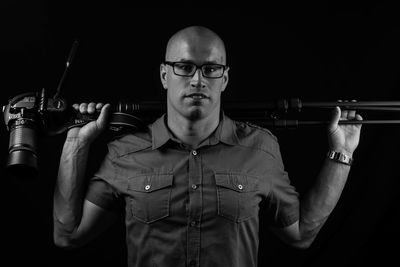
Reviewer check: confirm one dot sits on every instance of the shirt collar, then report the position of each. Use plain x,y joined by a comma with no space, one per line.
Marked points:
160,132
225,132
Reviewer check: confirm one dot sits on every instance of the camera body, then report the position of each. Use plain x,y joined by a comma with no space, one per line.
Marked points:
27,116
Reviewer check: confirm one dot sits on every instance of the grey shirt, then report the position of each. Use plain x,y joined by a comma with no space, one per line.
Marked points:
196,207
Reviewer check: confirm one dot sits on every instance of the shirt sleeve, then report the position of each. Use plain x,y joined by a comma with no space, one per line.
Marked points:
103,195
100,191
283,200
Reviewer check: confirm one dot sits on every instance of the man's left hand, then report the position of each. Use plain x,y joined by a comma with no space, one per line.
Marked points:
344,138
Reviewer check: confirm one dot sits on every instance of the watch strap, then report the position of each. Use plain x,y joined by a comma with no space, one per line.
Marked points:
340,157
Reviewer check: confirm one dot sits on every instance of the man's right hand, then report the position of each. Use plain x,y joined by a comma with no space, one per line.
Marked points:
77,220
88,133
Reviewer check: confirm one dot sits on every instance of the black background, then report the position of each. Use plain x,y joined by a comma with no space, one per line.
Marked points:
315,52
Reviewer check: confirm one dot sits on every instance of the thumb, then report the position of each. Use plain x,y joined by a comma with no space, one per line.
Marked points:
336,112
103,117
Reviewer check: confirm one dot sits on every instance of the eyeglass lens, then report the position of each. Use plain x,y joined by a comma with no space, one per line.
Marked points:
208,70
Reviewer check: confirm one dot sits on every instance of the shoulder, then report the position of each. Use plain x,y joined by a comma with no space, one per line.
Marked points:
254,128
246,129
130,142
257,137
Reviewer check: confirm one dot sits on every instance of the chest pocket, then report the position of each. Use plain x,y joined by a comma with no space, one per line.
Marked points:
150,196
238,198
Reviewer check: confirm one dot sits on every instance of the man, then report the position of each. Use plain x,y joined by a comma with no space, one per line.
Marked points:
192,183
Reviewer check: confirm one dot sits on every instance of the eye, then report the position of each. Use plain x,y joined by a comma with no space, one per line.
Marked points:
212,68
184,67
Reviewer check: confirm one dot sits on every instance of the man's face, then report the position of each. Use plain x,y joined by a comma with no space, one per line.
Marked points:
194,97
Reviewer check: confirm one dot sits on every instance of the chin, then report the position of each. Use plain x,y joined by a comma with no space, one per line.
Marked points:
195,113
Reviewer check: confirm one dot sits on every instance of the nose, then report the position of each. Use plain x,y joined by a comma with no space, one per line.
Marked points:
197,80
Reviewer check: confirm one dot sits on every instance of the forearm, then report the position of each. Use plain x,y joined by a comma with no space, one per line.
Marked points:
319,202
69,189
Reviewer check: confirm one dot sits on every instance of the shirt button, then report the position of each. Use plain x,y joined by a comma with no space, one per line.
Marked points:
194,186
194,152
147,187
193,223
240,187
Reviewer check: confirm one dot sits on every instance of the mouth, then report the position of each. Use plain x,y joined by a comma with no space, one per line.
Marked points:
197,96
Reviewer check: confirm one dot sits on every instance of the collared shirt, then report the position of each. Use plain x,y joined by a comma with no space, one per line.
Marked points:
198,207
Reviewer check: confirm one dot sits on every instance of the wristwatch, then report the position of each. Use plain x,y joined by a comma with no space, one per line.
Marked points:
340,157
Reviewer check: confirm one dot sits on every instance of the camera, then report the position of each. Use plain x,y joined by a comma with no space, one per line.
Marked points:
29,116
26,116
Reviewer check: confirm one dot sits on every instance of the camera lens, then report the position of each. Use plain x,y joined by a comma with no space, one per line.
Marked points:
22,158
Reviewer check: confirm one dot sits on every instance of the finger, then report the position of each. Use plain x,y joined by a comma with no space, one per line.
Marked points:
344,114
76,106
102,119
91,108
336,114
351,115
83,108
358,118
99,106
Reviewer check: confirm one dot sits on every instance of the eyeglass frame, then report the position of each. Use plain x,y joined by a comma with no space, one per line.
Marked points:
172,64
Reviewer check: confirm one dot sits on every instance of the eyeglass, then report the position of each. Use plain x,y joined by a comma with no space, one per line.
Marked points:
188,69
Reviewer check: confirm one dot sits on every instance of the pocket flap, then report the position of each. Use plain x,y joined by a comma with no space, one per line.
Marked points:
237,182
150,182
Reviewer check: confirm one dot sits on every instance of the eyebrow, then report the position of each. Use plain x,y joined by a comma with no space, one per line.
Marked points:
191,61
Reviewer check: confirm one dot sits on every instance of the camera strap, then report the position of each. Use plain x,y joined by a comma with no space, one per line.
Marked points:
118,122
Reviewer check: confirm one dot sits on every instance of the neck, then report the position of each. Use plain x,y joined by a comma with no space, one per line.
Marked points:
192,132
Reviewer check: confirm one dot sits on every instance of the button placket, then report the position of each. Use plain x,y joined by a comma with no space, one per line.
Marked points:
195,206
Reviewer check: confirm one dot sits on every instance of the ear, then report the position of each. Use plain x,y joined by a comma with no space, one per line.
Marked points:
225,79
163,75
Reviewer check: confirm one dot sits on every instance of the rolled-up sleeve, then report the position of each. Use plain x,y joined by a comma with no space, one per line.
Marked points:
283,200
100,191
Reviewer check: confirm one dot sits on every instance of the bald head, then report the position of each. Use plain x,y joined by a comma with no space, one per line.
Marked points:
195,41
